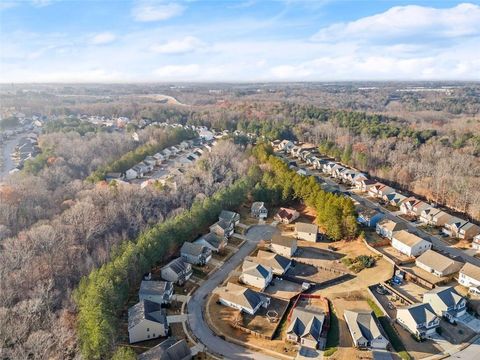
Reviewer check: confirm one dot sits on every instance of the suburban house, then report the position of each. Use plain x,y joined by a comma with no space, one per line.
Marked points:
133,173
177,271
469,231
438,264
259,210
446,302
169,349
419,319
410,244
476,242
306,326
150,160
256,275
286,145
387,227
452,226
470,278
283,245
278,263
374,190
419,206
413,206
305,231
432,216
364,185
222,228
395,199
357,178
160,292
369,217
230,216
242,298
212,241
364,329
286,216
146,320
384,191
196,254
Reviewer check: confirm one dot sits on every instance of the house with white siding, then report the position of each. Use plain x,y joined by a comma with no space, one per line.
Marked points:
470,278
410,244
146,320
306,326
256,275
160,292
438,264
305,231
365,329
283,245
419,319
387,227
242,298
446,302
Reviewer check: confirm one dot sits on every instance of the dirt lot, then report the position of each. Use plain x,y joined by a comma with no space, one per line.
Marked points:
417,350
411,291
310,273
382,270
221,316
283,289
395,255
348,301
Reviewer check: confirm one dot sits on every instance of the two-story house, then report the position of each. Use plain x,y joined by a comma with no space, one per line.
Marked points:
242,298
306,325
387,227
196,254
409,244
259,210
470,277
177,271
160,292
146,320
446,302
256,275
419,319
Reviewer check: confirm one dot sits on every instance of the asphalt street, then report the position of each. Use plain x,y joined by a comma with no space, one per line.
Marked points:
196,304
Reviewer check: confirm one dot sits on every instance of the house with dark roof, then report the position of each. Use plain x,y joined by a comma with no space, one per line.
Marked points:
160,292
369,217
419,319
242,298
365,329
278,263
195,254
283,245
146,320
177,271
446,302
305,327
256,275
169,349
222,228
286,215
229,216
212,241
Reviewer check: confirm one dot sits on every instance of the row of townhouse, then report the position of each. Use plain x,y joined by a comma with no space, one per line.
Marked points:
426,213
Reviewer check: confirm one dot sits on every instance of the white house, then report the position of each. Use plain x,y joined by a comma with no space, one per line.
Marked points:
305,231
259,210
387,227
283,245
470,278
242,298
256,275
476,242
419,319
364,329
278,263
446,302
438,264
410,244
146,320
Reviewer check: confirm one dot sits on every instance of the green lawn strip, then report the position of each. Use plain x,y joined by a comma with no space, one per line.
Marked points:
333,336
391,333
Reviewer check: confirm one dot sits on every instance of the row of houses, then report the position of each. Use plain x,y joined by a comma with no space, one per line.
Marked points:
426,213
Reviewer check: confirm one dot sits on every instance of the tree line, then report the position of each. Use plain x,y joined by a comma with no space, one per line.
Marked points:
336,214
102,295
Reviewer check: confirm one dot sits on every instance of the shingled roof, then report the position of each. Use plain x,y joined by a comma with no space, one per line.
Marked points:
146,310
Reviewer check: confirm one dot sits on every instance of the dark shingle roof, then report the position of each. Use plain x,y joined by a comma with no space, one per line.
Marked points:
146,310
155,287
178,265
192,249
229,216
307,322
169,349
447,294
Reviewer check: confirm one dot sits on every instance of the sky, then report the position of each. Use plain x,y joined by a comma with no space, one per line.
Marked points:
115,41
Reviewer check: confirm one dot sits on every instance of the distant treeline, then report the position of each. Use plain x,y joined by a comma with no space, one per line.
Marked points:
171,137
335,214
103,295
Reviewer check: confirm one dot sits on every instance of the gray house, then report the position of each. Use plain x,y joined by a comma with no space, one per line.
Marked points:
169,349
222,228
446,302
212,241
157,291
146,320
230,216
196,254
364,329
177,271
418,319
306,326
259,210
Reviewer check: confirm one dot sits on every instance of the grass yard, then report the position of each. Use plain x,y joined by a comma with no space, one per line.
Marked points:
391,333
333,336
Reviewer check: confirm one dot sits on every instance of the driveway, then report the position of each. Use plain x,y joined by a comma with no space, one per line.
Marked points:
469,353
197,302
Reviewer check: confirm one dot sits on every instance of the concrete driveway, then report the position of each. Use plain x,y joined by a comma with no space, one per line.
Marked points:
196,305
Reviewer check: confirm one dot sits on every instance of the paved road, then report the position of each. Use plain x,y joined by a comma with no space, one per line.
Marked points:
437,242
196,304
7,149
470,353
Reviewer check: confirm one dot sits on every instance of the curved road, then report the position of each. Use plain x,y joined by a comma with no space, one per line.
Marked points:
196,305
